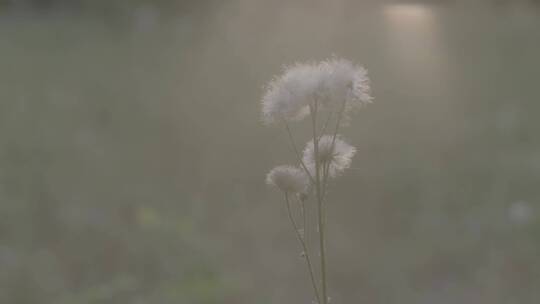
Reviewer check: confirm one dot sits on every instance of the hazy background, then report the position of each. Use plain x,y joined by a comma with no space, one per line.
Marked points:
132,157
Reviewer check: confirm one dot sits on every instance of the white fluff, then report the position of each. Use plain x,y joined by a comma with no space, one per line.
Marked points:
337,157
344,82
288,179
288,96
332,83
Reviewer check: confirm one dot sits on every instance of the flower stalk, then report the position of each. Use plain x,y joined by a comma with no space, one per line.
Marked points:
320,212
335,87
302,240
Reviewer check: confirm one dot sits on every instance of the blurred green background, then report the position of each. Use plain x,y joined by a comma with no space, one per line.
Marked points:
132,156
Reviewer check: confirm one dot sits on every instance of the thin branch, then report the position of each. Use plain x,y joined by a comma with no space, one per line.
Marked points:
304,247
338,122
326,172
297,152
304,220
334,136
326,123
313,112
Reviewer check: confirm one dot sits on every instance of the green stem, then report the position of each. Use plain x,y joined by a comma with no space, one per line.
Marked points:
297,152
327,164
323,130
313,112
304,246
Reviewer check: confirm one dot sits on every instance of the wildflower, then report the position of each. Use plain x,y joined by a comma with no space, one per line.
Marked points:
333,82
329,90
336,155
289,95
344,83
288,179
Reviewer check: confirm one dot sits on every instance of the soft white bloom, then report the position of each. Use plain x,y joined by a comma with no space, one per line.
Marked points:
288,179
336,156
289,95
344,82
332,83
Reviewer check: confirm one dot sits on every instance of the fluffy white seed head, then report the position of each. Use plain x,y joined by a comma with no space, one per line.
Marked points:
344,82
288,179
331,82
335,155
289,95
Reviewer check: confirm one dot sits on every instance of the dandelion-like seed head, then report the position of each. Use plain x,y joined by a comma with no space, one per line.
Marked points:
344,82
288,96
333,82
288,179
336,155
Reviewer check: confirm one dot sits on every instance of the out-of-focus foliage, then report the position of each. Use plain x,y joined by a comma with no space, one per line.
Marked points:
93,200
110,7
132,155
85,216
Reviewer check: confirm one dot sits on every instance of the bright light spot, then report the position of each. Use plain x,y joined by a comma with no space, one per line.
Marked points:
416,46
412,32
407,13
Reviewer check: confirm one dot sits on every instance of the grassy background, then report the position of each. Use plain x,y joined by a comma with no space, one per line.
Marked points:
132,155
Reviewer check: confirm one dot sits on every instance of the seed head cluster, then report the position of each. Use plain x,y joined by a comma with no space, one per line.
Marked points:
337,87
333,83
288,179
328,92
334,154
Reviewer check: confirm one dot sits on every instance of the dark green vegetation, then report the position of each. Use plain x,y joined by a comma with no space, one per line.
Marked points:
132,157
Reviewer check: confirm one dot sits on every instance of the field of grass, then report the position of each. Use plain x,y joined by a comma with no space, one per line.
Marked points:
132,156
